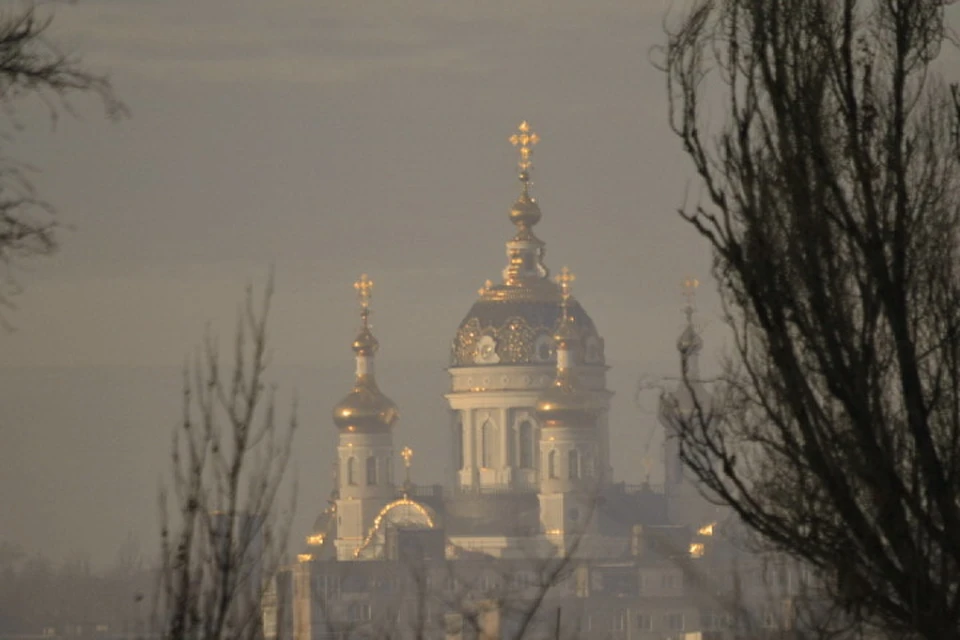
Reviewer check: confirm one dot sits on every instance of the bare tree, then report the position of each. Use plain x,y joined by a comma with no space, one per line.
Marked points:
33,68
831,192
230,456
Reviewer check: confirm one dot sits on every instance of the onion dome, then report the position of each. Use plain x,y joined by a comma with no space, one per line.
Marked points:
525,211
365,409
514,322
690,391
689,344
566,402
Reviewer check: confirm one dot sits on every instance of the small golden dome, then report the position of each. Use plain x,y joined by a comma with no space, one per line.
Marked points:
689,343
365,344
566,403
365,409
525,211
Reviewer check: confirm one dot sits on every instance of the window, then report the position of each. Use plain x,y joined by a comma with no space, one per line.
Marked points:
359,612
573,464
352,471
371,471
619,621
668,581
488,445
552,464
586,623
644,622
526,445
770,620
674,622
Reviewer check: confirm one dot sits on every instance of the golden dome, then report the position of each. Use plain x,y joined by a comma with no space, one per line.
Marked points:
365,409
516,321
365,344
566,403
525,211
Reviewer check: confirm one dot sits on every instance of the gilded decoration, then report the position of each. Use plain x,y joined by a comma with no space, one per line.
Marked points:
517,337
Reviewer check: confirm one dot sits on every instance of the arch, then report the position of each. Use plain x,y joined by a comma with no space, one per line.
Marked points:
371,471
414,511
573,464
552,464
351,471
526,435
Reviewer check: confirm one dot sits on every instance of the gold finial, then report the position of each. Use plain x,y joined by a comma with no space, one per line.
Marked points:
365,343
487,285
524,139
565,279
407,454
364,287
690,293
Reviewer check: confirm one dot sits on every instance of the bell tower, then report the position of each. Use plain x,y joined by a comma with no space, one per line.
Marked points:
572,472
688,401
365,418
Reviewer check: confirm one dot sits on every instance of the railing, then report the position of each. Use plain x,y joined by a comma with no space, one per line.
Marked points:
421,491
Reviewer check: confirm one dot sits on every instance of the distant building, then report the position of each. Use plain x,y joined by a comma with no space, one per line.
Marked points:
533,506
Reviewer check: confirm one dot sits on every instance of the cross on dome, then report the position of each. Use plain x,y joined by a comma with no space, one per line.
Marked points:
690,286
364,287
565,279
524,140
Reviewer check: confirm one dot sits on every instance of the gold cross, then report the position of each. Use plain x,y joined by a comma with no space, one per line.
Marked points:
364,287
565,279
524,139
690,289
407,454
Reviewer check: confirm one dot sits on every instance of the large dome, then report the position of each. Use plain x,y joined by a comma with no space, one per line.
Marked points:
519,329
514,322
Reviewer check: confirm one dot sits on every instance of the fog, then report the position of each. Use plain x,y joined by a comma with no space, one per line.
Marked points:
324,139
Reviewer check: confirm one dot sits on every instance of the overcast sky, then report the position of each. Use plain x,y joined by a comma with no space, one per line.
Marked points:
327,138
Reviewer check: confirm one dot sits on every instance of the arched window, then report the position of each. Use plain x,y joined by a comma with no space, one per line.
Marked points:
488,445
371,471
458,440
526,445
352,471
573,464
552,464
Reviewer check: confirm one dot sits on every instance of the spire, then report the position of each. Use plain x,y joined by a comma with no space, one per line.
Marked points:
689,343
365,408
525,212
364,344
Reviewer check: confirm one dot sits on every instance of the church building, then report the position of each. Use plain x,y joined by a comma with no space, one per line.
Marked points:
534,536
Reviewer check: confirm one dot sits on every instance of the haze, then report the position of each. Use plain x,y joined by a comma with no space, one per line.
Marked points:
326,139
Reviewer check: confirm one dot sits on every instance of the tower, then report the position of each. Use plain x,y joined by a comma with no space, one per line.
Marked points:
503,358
688,401
365,418
571,473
